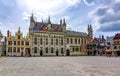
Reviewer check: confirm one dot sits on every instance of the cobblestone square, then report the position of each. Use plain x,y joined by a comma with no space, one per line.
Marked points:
60,66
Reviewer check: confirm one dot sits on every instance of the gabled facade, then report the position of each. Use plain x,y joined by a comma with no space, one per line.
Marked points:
17,45
97,46
116,44
109,46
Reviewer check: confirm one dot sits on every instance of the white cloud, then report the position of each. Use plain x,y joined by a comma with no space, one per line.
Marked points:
44,8
47,6
110,11
89,4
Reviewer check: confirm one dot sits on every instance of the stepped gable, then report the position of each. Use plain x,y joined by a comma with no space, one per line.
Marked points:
117,36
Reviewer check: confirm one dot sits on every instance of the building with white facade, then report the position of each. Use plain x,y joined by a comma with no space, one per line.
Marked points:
55,40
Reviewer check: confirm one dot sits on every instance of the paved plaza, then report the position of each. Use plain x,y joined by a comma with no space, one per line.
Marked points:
60,66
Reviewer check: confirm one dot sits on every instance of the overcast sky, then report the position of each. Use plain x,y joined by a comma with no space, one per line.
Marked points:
103,15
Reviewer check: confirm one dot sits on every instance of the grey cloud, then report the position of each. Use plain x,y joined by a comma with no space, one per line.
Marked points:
110,18
116,6
101,11
110,27
107,17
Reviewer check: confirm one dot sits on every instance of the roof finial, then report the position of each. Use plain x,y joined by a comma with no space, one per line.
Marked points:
49,22
32,18
19,29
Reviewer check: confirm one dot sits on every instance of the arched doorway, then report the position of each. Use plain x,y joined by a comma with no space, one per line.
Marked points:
57,53
27,52
68,53
41,53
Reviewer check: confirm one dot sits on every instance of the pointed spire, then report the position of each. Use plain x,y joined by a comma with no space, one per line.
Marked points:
49,22
64,23
88,27
60,21
19,29
32,18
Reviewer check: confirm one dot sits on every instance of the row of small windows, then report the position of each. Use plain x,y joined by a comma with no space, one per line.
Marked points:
115,47
14,49
116,42
77,49
46,50
76,41
41,41
18,43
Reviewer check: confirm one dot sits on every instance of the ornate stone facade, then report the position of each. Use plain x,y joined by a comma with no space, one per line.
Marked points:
17,45
55,40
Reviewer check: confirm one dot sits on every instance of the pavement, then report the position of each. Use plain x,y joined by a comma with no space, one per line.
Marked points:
60,66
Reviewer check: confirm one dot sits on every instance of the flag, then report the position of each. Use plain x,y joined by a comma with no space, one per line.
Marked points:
56,27
35,28
36,24
42,27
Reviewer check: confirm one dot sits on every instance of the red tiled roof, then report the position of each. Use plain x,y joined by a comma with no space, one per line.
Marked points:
117,36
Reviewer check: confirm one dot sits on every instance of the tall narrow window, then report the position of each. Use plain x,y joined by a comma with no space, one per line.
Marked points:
79,41
82,41
18,42
41,41
18,36
73,49
14,42
56,41
46,41
27,43
75,41
46,49
14,50
61,41
67,40
62,51
18,49
51,49
35,40
9,49
52,41
9,42
35,49
77,49
22,43
71,40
